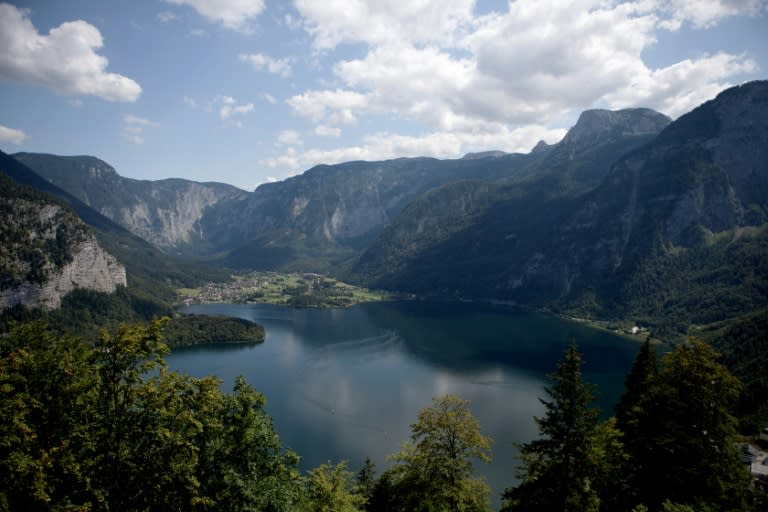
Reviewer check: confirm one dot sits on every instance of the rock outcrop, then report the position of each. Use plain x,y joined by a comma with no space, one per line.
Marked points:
48,251
91,268
166,213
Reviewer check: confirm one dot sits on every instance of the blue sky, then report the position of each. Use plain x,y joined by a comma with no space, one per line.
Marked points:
250,91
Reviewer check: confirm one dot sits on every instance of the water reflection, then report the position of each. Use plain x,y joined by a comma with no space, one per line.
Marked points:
346,384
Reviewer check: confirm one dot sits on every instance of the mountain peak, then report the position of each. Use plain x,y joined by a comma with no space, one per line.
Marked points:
598,124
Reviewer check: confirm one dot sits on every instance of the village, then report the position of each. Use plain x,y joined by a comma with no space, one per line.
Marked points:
294,289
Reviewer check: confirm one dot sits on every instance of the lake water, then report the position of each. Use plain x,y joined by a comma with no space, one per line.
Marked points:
348,383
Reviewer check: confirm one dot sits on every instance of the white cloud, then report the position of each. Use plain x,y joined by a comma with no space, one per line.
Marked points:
166,16
133,128
336,106
76,102
289,138
232,14
189,101
64,60
269,98
538,62
381,146
331,22
327,131
12,135
229,107
260,62
706,13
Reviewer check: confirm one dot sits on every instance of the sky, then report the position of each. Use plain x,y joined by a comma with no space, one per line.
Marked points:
251,91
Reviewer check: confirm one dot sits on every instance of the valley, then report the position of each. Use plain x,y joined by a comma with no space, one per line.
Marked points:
295,290
634,223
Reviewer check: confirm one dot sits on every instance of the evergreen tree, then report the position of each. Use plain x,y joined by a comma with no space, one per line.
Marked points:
636,384
574,459
688,453
366,480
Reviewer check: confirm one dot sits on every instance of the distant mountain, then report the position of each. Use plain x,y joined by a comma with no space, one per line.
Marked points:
147,268
318,219
165,213
325,216
47,250
677,226
518,203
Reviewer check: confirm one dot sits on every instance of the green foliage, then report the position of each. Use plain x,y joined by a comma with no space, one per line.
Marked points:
39,234
744,346
107,427
366,480
434,471
188,330
681,431
574,462
331,488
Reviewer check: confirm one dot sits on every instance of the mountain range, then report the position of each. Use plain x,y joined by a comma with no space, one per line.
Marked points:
630,215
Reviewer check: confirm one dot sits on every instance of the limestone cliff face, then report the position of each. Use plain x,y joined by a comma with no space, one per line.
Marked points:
166,213
91,268
48,251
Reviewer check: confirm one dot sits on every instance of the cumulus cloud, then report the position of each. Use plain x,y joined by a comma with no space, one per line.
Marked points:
64,60
381,146
327,131
706,13
533,63
228,107
12,135
496,81
289,138
133,128
260,62
331,22
231,14
166,16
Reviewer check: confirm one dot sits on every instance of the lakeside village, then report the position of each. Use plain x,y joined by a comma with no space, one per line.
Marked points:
297,290
308,289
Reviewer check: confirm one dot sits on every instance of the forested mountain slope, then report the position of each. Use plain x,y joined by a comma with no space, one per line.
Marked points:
676,228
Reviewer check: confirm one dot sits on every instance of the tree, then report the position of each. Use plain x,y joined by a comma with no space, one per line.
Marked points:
688,455
434,472
43,382
573,461
366,480
637,383
107,427
330,488
243,466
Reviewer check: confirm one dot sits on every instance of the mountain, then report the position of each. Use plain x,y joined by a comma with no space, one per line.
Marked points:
677,226
149,271
48,251
326,215
165,213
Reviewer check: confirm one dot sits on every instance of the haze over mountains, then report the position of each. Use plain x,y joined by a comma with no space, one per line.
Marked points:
629,214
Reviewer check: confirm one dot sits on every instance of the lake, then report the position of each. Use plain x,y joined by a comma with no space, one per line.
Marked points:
348,383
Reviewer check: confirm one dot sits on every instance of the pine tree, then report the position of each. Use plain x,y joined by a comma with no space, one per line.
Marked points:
688,454
565,468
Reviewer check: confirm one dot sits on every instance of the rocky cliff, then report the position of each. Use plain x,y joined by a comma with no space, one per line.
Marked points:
48,251
91,268
166,213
